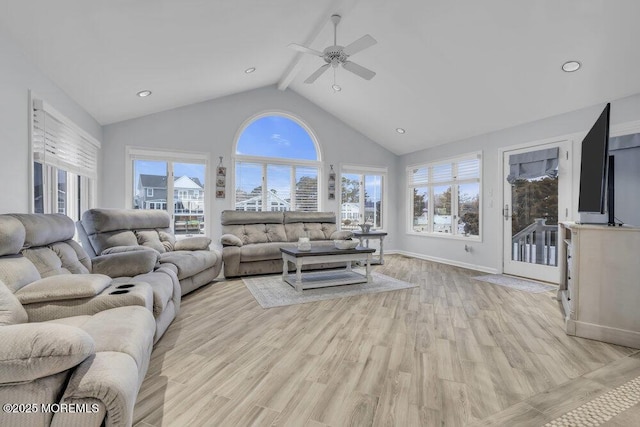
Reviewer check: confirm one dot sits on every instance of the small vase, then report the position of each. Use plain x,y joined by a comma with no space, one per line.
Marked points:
304,244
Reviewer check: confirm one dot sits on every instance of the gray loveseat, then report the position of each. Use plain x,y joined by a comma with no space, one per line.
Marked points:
251,241
67,336
110,231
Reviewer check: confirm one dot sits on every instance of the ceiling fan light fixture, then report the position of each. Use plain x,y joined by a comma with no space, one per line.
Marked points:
144,93
336,88
400,130
250,70
571,66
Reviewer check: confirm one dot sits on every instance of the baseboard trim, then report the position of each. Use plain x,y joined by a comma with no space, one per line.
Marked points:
447,261
608,334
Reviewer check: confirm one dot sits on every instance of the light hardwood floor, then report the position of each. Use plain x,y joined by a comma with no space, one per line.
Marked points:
452,352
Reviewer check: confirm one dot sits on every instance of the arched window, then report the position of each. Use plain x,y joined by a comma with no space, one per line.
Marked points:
277,165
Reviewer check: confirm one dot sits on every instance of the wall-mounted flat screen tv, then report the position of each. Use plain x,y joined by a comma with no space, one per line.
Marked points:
593,166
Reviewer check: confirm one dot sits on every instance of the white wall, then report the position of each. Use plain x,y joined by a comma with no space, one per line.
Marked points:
487,254
211,127
17,76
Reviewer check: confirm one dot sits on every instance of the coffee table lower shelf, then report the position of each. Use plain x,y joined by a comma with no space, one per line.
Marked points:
325,278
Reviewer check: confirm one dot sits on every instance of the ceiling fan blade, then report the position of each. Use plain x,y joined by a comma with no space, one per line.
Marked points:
360,44
358,70
313,77
304,49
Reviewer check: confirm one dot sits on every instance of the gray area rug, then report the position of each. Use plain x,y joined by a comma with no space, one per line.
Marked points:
271,291
517,283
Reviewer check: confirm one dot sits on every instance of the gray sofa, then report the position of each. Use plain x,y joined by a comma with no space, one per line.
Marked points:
251,241
70,337
109,231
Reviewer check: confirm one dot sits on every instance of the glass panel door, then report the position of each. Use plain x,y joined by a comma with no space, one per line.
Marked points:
531,211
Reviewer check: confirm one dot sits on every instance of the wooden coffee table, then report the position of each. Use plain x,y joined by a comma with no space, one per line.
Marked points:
324,278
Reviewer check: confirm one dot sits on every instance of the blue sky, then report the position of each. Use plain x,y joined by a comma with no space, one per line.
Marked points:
276,136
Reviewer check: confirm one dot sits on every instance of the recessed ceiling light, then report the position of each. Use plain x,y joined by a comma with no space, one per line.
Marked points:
400,130
250,70
571,66
336,88
144,93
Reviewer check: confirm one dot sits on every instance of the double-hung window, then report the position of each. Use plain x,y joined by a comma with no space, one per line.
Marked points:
64,163
277,166
444,197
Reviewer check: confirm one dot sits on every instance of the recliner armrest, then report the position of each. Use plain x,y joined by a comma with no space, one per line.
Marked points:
230,240
192,244
63,287
36,350
126,264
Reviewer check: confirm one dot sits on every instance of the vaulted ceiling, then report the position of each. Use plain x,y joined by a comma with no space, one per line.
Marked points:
446,70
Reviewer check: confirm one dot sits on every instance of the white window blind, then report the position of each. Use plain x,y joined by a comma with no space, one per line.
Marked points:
419,176
306,188
58,142
469,169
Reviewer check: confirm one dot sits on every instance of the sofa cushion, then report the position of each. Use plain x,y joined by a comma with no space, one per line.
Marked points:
313,230
63,287
263,251
72,256
46,261
121,249
103,241
126,330
11,311
43,229
150,239
199,243
37,350
189,263
12,234
17,271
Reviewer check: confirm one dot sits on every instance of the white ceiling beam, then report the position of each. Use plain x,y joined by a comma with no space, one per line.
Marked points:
341,7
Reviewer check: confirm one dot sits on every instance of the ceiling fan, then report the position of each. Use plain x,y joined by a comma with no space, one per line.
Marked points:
339,55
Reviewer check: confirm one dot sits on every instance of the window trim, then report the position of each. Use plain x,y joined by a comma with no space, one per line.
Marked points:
265,161
365,170
454,200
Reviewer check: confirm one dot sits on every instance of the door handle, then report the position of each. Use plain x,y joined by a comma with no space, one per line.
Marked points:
505,212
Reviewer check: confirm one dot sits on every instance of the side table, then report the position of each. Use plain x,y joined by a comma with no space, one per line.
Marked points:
364,237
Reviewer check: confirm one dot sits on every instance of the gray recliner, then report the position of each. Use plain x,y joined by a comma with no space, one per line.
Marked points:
53,276
104,232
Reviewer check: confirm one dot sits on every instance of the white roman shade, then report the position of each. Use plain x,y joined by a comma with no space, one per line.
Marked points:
58,142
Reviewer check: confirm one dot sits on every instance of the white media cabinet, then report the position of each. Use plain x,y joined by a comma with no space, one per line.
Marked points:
600,282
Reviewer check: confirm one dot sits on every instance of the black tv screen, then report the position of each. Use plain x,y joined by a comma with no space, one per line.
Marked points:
593,166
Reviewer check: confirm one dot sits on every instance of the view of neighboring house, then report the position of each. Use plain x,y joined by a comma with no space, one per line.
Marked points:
188,199
275,203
